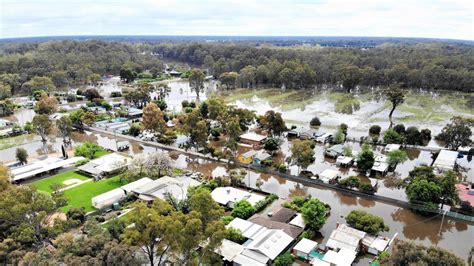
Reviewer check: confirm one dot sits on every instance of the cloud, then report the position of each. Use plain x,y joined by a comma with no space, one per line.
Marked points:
403,18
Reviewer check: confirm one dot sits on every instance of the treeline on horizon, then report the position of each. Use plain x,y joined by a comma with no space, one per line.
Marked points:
437,66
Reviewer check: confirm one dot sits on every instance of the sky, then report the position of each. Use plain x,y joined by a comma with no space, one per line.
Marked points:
451,19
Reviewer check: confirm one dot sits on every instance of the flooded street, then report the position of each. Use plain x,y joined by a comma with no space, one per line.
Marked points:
409,225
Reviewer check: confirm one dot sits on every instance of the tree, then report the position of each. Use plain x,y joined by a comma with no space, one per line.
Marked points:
46,105
423,191
271,144
88,118
92,94
153,118
366,222
94,79
350,75
88,150
314,214
285,259
5,91
339,137
78,214
127,75
243,209
397,156
199,134
413,136
409,253
196,81
22,156
42,125
64,124
400,129
155,230
40,83
375,130
273,123
391,136
457,133
365,159
396,96
217,108
160,162
228,79
315,122
302,153
234,235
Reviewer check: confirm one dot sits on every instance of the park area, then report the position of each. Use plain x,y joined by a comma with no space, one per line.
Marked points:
80,195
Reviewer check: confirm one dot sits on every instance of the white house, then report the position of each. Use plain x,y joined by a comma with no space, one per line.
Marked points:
227,196
304,248
445,161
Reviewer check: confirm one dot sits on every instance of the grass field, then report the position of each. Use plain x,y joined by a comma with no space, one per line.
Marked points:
81,196
44,184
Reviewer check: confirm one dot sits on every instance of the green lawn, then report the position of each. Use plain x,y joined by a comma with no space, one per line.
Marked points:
81,196
44,184
101,153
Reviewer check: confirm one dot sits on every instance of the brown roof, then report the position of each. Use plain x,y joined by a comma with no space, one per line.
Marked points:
283,215
291,230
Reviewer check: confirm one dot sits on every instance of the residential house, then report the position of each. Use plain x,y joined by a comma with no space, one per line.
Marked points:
305,248
106,165
253,139
445,161
334,151
176,187
228,196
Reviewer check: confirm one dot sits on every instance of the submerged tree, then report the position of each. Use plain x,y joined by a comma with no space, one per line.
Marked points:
42,125
196,81
457,133
64,124
396,96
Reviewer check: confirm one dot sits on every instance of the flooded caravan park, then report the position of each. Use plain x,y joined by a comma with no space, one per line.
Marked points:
298,108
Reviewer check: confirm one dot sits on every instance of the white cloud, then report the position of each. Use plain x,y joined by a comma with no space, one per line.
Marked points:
404,18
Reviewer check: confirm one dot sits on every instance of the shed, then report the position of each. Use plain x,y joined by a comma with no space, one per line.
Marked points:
135,184
298,221
334,151
108,198
445,161
344,161
252,138
328,175
304,248
392,147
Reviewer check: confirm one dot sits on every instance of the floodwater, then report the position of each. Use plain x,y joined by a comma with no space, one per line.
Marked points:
453,235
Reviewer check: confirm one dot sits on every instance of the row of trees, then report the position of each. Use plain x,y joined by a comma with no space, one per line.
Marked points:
26,67
429,65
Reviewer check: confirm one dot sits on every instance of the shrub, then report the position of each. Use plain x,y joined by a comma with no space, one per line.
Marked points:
88,150
81,162
366,187
400,129
425,135
413,136
282,168
227,219
366,222
285,259
392,136
375,130
315,122
243,209
235,235
350,182
259,206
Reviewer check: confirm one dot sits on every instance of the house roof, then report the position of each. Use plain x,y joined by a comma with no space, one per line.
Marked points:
338,148
344,257
306,245
289,229
229,249
298,221
446,160
262,156
392,147
176,186
253,136
42,166
283,215
329,174
344,159
224,195
244,260
345,237
135,184
271,243
108,198
249,229
380,166
107,163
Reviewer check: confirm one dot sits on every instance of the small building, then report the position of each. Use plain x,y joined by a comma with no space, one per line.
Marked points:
296,132
253,139
135,184
344,161
40,167
323,138
108,198
329,176
310,134
228,196
229,250
298,221
304,248
175,73
334,151
108,164
345,237
392,147
340,257
375,244
97,109
380,165
5,123
134,112
254,157
176,187
445,161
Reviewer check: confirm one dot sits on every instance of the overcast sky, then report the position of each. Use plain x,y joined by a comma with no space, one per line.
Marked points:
401,18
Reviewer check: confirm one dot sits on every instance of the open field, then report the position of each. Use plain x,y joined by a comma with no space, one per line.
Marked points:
81,196
44,184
